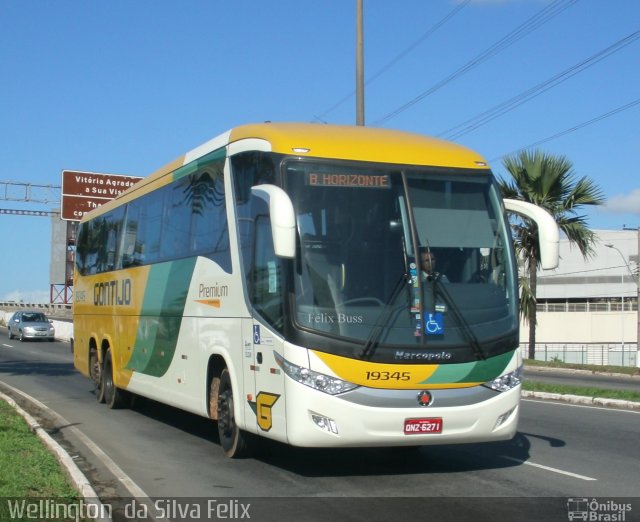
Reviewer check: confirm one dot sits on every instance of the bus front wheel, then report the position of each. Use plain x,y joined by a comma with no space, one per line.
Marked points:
235,442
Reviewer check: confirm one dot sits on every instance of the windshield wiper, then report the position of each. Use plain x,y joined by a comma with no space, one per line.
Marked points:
467,331
376,331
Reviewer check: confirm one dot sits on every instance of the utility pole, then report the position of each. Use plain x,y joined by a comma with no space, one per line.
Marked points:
359,64
637,277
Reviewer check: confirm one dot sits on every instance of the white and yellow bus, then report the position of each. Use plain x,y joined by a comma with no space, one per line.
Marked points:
271,280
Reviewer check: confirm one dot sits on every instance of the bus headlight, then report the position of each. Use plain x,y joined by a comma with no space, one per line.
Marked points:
316,380
507,381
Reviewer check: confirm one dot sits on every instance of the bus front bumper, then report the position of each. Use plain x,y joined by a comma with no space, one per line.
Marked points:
315,419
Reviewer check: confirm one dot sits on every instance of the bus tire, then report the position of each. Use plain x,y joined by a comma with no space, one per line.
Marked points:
95,372
235,442
113,396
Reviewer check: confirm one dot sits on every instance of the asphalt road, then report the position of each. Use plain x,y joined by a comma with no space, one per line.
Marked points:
561,452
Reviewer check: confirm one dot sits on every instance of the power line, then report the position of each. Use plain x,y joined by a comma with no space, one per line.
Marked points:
397,58
426,35
530,25
525,96
622,108
587,271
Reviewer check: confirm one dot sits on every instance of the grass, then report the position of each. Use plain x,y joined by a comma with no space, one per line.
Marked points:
595,368
587,391
28,471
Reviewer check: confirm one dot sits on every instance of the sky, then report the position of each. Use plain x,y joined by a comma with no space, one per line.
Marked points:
125,87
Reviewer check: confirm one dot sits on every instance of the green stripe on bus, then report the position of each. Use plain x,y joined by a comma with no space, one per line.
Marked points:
161,316
478,371
194,166
489,369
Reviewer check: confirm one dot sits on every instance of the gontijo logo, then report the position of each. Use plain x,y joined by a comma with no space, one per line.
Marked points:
109,293
262,408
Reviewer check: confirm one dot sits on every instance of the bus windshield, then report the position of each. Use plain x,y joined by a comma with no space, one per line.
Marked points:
402,257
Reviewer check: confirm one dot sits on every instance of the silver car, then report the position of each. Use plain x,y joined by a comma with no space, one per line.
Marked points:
30,325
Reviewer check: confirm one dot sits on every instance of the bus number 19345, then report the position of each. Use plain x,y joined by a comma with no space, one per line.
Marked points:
388,376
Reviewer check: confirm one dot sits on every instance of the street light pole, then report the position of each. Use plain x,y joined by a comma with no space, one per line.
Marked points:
636,280
359,64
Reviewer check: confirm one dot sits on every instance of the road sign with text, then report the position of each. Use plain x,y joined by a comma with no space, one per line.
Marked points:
84,191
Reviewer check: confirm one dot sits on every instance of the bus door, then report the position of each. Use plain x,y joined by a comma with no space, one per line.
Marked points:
260,335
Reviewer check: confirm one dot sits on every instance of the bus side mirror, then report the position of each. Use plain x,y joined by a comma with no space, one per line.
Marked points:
548,233
283,218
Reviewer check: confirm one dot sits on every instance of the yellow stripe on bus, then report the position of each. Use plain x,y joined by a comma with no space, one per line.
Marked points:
388,376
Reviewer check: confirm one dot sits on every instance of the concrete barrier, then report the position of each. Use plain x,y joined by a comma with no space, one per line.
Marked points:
53,310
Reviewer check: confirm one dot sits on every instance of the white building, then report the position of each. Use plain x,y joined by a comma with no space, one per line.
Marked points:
590,303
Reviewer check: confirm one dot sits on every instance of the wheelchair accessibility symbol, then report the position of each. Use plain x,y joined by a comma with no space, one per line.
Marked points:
434,324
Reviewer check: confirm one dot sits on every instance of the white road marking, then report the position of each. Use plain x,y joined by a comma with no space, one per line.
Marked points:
558,403
548,468
7,345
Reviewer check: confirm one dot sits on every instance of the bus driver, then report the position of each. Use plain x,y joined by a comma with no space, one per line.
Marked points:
428,266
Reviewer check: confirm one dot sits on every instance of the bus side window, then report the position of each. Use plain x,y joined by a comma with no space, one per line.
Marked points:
131,247
82,248
249,169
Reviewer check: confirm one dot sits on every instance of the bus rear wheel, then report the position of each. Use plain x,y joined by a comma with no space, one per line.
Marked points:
95,372
235,442
113,396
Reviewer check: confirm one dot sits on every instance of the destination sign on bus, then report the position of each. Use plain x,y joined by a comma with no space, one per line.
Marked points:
333,179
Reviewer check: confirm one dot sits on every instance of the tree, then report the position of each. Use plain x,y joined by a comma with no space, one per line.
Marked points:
550,182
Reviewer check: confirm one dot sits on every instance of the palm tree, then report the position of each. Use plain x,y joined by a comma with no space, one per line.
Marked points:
549,182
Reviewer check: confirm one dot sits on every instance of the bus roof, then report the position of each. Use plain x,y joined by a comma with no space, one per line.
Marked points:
360,143
343,142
